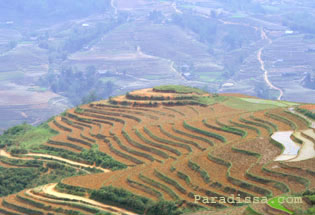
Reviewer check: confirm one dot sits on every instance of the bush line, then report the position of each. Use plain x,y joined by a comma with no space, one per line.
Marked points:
147,141
307,123
278,185
207,133
70,123
64,128
231,129
257,124
79,141
186,178
274,126
246,126
306,112
87,138
193,136
21,209
159,186
204,175
59,143
224,129
145,188
143,147
131,151
281,119
113,114
123,155
170,181
180,139
239,182
148,132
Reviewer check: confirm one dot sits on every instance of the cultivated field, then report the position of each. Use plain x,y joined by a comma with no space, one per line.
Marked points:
175,148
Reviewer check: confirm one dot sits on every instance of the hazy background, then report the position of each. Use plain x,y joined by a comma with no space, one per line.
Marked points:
55,54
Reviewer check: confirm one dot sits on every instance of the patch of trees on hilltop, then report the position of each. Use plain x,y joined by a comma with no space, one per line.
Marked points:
78,86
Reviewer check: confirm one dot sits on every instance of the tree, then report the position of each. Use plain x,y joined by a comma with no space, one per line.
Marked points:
91,97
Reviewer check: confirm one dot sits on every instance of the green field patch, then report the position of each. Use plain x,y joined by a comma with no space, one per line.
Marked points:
207,100
275,203
270,102
178,89
240,103
26,137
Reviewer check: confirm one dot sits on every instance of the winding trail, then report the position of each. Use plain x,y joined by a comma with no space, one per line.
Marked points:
176,9
112,4
175,71
263,36
50,190
74,163
262,65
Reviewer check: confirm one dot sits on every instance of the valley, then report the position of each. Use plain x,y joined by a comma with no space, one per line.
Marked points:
219,47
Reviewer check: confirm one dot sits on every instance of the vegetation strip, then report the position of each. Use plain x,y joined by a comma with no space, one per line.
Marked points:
144,139
131,151
180,139
303,120
281,119
204,175
143,147
193,136
207,133
257,124
246,126
239,182
306,112
170,181
159,186
154,137
276,184
274,126
225,129
145,188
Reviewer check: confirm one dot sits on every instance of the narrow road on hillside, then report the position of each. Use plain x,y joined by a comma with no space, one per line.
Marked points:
263,36
176,9
262,66
50,190
175,71
8,155
112,3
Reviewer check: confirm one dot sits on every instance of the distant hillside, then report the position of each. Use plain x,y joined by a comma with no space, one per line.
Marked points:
37,11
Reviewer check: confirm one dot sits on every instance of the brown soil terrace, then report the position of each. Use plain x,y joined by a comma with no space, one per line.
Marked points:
176,151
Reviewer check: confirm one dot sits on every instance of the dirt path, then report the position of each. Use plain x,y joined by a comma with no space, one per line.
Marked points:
177,72
8,155
263,36
112,3
262,65
50,189
176,9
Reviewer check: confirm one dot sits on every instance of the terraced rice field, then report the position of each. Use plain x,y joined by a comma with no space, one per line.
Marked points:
175,152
